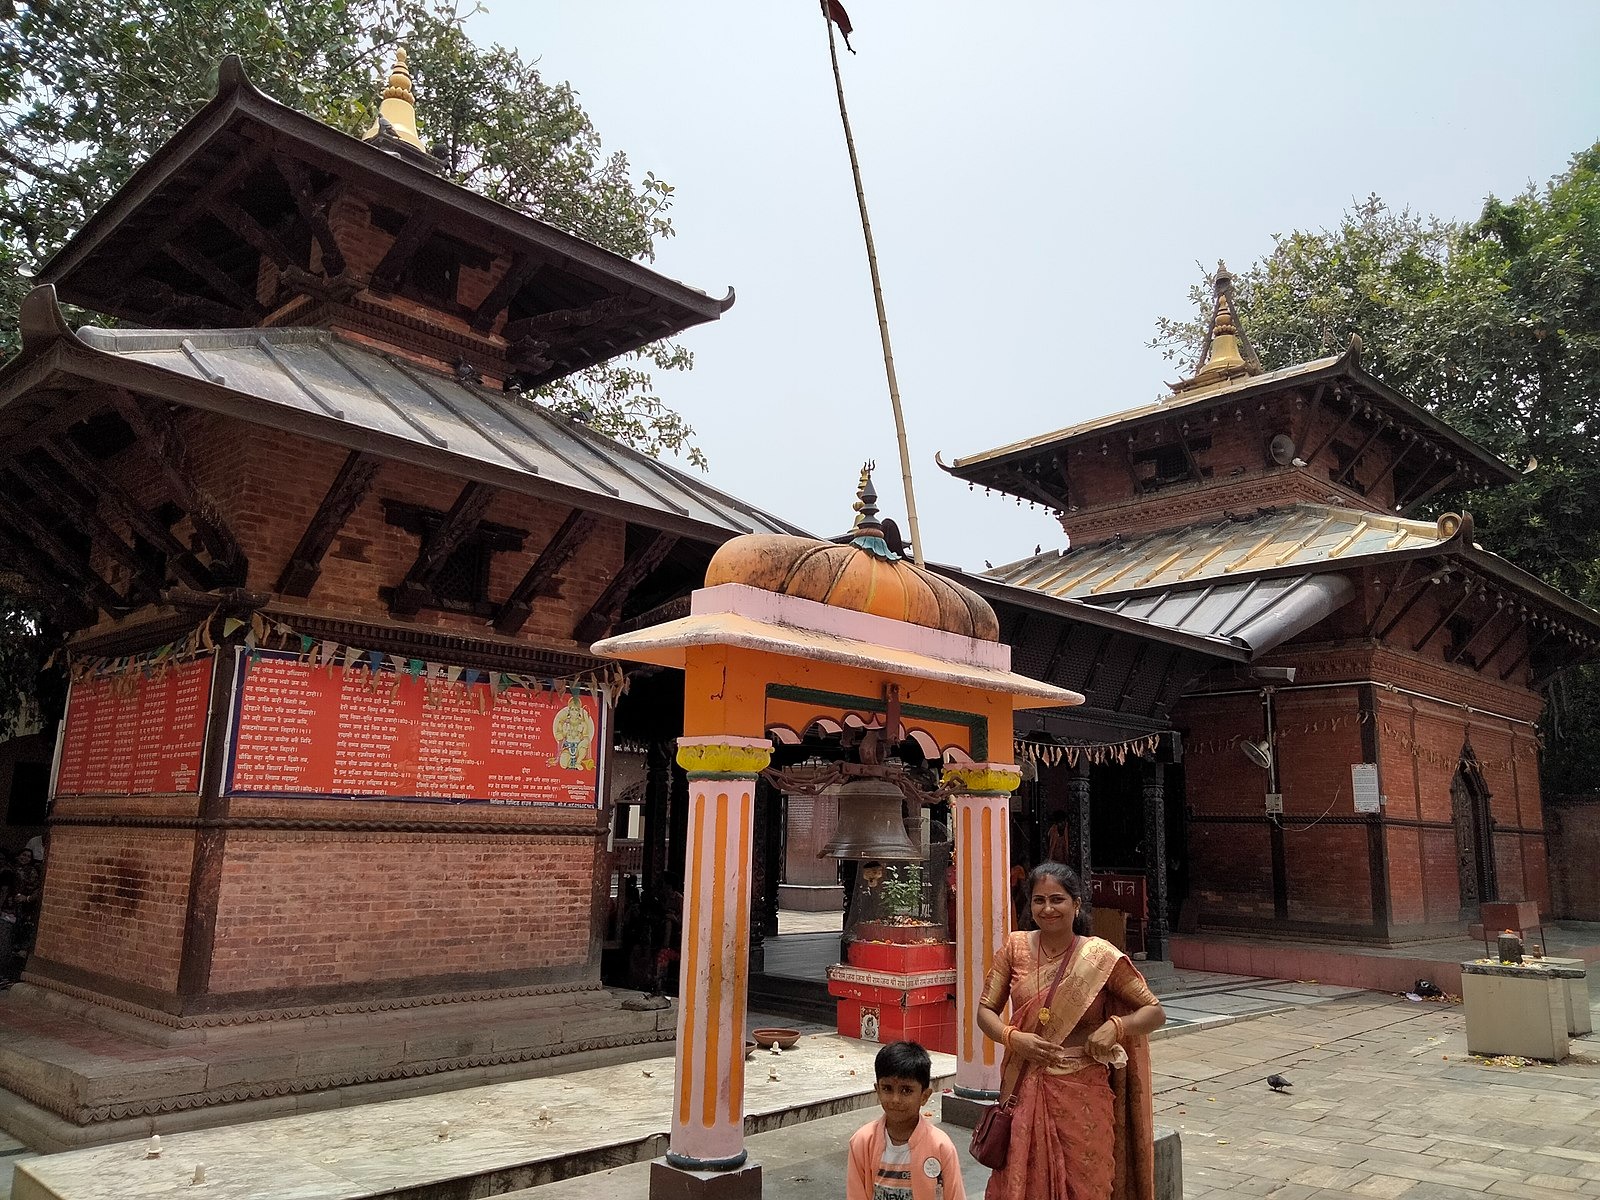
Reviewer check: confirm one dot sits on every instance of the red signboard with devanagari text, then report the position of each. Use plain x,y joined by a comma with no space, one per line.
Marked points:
328,730
138,733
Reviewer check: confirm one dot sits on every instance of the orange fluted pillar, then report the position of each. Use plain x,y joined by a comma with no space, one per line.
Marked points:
708,1092
981,811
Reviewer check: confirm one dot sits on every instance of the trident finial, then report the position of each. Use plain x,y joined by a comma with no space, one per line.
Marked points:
866,505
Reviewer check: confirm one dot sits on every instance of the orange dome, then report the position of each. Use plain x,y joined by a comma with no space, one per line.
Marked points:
862,574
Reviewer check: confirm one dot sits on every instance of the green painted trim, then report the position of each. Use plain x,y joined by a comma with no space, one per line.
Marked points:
976,724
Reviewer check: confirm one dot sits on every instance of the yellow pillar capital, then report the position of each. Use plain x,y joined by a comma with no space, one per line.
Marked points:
724,757
982,779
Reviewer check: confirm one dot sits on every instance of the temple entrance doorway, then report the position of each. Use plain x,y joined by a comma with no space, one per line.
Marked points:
1469,809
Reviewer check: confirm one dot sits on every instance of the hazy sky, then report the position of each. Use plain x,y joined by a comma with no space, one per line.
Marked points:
1042,178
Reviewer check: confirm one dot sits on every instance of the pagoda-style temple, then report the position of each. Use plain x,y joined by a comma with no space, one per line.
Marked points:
335,753
1369,770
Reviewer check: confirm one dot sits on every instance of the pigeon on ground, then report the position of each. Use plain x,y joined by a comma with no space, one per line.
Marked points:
1278,1083
1427,989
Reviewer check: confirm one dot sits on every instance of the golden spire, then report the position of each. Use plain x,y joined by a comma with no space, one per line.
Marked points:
397,111
1227,353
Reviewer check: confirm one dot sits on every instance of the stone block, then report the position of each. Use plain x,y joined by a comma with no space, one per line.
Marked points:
122,1084
1512,1010
671,1183
525,1035
461,1044
958,1110
260,1069
1169,1164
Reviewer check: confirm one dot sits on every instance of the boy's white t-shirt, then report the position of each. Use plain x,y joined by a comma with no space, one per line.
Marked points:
893,1180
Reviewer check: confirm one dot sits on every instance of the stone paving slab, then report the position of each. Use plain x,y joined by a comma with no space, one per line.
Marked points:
395,1147
1385,1102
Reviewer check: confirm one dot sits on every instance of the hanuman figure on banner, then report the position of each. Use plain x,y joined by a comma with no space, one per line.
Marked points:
574,730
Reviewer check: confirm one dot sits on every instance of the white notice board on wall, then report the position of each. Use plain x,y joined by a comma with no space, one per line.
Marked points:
1364,786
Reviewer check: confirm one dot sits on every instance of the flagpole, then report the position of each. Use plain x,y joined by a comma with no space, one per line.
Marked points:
877,298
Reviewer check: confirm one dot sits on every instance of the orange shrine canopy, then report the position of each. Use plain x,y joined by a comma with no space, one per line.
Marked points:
801,620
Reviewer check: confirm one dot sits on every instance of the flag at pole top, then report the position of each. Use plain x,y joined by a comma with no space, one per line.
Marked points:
839,17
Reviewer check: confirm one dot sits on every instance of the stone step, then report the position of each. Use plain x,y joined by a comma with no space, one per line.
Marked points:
73,1082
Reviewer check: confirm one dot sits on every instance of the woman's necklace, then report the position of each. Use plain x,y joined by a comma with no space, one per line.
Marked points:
1044,1013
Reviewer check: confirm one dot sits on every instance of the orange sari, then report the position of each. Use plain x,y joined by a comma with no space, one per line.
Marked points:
1083,1131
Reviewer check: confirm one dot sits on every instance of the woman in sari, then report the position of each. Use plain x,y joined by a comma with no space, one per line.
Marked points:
1081,1126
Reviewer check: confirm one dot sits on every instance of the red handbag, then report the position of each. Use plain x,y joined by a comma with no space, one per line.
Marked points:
991,1139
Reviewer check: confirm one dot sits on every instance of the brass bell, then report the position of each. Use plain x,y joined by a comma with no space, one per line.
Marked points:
871,825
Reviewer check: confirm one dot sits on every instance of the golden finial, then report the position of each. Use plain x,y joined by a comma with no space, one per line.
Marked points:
397,111
1227,353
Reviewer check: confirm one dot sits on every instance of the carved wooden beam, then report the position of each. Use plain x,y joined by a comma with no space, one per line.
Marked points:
313,208
1313,410
1468,591
548,326
1518,622
1060,461
386,275
1355,407
416,589
215,189
603,614
1394,463
158,433
349,488
164,304
1411,501
263,240
40,483
574,531
1472,640
522,269
1134,673
1527,653
1423,589
1349,467
214,277
1188,454
1058,653
1020,482
66,561
77,466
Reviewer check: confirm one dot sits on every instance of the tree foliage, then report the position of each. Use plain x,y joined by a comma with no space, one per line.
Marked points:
1493,324
88,91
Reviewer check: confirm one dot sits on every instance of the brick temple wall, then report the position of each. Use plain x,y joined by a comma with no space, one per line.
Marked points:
313,914
115,899
325,915
1327,851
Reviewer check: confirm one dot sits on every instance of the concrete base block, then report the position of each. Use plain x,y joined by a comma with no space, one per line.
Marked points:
1511,1011
1169,1164
958,1110
671,1183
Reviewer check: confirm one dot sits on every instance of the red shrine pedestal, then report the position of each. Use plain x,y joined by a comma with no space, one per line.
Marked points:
891,992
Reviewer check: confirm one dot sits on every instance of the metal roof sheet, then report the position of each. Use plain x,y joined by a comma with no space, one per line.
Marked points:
1167,404
304,373
1234,579
1272,539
